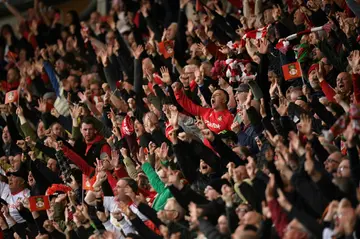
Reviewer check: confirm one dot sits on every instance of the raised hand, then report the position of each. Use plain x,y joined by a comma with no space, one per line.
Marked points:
19,111
284,203
263,46
183,3
165,76
282,109
75,111
249,97
174,116
305,125
262,108
115,158
138,51
164,149
208,134
21,144
83,97
55,113
227,195
200,124
270,188
126,210
354,60
41,106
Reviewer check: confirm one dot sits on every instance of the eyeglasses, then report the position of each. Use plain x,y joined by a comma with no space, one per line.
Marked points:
330,160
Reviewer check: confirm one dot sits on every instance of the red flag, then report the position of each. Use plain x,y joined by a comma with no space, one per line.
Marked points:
292,71
39,203
11,96
87,183
166,48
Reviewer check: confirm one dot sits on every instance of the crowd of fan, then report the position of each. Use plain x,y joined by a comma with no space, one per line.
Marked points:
173,119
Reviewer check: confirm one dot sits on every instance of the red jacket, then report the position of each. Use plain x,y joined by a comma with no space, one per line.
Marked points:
105,148
216,121
328,91
278,216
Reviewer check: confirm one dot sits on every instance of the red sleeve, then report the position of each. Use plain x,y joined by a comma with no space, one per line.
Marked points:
106,148
188,105
112,181
328,91
278,217
121,173
356,86
78,161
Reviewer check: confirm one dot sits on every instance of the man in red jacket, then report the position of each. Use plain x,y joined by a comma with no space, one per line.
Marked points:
95,143
217,118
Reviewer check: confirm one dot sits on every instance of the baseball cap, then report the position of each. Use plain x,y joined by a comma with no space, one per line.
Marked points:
243,88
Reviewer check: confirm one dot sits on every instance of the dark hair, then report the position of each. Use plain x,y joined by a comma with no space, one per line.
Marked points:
226,94
132,184
88,120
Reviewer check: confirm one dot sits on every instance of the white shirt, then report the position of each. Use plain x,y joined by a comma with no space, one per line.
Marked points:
13,201
125,225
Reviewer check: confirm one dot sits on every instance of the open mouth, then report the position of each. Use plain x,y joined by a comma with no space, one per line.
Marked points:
204,167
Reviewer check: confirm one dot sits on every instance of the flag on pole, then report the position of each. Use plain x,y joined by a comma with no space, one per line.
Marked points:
87,183
11,96
39,203
166,48
292,71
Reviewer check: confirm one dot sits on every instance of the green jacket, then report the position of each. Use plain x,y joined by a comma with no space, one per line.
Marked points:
163,192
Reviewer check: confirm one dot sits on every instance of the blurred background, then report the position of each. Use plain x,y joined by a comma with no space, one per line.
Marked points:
83,7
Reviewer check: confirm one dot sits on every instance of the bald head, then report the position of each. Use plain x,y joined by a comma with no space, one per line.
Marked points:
344,83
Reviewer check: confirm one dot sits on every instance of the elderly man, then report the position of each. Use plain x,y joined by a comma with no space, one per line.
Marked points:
14,194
